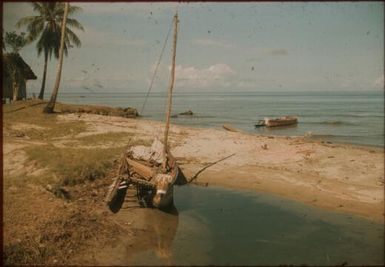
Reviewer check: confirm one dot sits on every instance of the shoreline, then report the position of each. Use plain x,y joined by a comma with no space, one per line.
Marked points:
309,138
340,177
57,169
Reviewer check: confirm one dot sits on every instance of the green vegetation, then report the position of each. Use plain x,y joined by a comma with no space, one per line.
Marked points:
51,104
59,239
15,41
45,28
61,158
25,253
48,126
68,157
72,166
105,138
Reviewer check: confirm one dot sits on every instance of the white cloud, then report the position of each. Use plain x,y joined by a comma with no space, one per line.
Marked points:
211,42
217,75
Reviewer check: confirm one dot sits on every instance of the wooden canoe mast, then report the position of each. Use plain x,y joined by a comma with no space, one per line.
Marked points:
169,101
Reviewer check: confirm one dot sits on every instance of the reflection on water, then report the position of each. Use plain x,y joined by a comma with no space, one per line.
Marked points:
214,226
165,228
157,248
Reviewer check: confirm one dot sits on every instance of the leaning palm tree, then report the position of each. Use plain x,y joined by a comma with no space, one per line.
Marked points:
51,104
45,28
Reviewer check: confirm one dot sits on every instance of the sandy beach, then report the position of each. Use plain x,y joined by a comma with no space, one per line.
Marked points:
57,170
334,176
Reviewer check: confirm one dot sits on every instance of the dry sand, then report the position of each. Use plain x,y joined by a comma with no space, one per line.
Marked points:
339,177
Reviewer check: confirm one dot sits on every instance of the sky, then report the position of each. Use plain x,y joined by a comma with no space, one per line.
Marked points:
293,46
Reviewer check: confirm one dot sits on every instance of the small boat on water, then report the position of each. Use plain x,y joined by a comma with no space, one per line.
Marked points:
282,121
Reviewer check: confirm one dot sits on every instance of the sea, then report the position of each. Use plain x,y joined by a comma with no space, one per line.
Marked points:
332,116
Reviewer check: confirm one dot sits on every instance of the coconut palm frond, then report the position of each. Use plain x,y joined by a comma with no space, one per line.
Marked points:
74,9
25,21
44,44
35,28
45,28
73,38
49,20
74,24
65,48
38,7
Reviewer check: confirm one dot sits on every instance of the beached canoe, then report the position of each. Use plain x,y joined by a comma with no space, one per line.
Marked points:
152,170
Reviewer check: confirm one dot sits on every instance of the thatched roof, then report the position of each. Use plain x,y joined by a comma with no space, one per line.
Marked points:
17,60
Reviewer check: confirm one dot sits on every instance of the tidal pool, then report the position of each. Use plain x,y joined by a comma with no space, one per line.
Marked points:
216,226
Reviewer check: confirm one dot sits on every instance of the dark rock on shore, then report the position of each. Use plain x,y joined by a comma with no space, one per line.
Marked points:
189,113
101,110
186,113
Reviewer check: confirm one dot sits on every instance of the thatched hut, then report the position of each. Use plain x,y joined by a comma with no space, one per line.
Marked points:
16,73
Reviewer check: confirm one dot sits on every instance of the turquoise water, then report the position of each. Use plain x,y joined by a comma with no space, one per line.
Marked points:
216,226
350,117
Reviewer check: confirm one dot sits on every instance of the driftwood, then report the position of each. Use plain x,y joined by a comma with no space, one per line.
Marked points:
230,128
26,106
207,166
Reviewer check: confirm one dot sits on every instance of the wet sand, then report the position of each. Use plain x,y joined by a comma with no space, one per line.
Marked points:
337,177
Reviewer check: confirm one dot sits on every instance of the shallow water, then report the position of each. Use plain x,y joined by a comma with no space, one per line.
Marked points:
216,226
348,117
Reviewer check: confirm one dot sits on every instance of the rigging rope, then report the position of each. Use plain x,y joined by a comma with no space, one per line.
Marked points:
156,69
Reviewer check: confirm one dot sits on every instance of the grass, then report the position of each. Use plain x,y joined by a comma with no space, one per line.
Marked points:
68,165
33,115
26,253
60,238
72,166
63,231
100,139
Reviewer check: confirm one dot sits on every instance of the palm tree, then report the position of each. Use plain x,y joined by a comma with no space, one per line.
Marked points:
45,28
14,41
51,104
13,69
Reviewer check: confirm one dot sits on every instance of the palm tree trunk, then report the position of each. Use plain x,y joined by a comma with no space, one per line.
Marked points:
51,104
15,91
41,94
15,85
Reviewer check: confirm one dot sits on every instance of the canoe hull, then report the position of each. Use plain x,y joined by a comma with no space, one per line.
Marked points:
283,121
